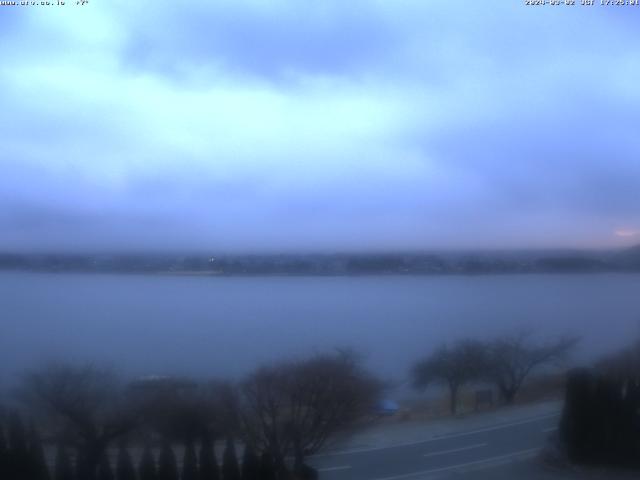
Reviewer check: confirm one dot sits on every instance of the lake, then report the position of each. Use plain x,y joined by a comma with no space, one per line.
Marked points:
224,326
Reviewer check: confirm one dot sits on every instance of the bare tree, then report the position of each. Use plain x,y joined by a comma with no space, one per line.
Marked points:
510,359
452,366
294,408
183,410
83,404
622,365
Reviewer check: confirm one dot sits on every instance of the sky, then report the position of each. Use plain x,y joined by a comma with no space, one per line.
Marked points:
293,125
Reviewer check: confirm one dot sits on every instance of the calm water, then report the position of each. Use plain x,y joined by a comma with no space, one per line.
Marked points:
225,326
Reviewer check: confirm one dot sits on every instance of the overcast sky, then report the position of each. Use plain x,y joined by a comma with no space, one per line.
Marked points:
318,125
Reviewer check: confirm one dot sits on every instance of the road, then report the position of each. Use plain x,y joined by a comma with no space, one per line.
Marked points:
456,453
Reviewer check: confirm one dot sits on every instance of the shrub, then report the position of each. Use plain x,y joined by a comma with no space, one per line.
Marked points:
63,469
208,463
147,469
190,463
105,471
230,468
167,465
124,466
250,464
37,461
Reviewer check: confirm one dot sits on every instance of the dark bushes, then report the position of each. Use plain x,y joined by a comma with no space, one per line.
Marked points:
124,465
601,419
208,464
62,469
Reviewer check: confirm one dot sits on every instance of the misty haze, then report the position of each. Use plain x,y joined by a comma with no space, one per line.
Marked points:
337,240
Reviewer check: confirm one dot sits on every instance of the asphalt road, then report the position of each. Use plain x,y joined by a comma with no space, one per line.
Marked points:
462,454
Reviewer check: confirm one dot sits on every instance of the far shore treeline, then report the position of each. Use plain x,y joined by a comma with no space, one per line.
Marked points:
423,263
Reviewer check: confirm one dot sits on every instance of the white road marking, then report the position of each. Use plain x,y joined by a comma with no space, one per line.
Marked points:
333,469
453,450
547,430
461,465
435,439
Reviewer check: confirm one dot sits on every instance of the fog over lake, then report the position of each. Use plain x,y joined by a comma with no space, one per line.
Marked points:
225,326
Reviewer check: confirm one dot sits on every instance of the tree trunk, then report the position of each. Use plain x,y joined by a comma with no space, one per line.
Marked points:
453,399
282,472
88,460
509,396
298,459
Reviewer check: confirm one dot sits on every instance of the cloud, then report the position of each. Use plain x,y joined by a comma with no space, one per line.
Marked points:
271,40
280,125
625,233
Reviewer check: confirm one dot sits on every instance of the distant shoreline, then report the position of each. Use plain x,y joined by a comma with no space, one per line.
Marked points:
316,275
333,265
